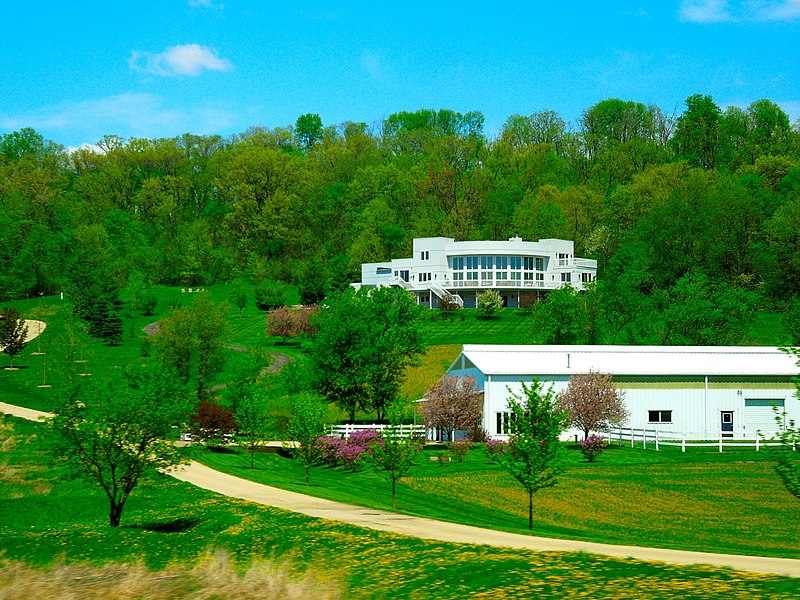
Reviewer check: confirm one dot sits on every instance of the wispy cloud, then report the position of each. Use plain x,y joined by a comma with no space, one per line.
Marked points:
738,11
128,115
206,3
189,60
704,11
372,62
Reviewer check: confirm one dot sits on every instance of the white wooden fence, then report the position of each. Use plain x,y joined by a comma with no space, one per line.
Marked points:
657,438
344,431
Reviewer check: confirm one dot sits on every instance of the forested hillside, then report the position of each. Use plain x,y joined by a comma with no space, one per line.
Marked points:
701,204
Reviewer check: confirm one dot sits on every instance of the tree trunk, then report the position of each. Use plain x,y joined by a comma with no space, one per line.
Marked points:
530,510
306,473
394,502
585,434
115,515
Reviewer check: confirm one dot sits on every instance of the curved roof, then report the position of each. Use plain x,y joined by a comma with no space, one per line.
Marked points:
630,360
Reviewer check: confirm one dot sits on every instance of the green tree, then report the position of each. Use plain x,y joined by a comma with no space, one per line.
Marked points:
532,455
395,456
254,425
115,434
12,332
191,338
308,129
697,132
489,304
364,342
785,454
306,426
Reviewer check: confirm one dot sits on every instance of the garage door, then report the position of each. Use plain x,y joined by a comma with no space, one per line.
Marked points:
759,416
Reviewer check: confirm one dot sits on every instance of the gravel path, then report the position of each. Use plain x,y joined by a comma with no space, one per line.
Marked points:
235,487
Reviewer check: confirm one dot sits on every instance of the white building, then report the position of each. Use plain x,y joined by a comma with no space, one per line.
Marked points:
520,271
702,392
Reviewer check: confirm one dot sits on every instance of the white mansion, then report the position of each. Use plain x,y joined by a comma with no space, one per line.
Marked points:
520,271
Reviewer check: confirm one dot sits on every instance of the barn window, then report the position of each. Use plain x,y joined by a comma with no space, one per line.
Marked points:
659,416
503,419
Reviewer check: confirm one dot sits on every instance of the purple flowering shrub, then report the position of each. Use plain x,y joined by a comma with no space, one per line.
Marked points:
350,453
495,447
329,447
593,446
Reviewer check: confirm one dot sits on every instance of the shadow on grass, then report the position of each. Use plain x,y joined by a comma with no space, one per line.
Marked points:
221,450
174,526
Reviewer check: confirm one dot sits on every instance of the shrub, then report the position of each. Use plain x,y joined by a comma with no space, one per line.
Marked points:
489,304
593,446
459,449
271,294
329,447
495,447
442,458
357,448
148,304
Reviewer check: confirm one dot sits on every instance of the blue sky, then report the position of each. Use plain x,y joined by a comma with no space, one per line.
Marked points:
75,71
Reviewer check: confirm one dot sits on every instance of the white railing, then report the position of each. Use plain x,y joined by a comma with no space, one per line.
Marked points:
505,283
443,293
344,431
400,282
659,438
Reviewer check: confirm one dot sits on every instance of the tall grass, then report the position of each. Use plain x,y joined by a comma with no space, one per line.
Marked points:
214,576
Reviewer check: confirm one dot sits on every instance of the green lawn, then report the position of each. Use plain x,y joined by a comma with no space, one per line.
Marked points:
45,518
509,326
702,500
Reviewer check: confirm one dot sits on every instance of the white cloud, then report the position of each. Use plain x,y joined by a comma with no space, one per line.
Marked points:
189,60
704,11
206,3
128,115
738,11
373,64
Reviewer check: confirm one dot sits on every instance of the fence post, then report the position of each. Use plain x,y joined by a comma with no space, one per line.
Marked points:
656,440
631,437
683,443
757,439
644,439
720,442
619,437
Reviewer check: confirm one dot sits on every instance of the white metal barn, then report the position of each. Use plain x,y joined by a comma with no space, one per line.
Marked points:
699,392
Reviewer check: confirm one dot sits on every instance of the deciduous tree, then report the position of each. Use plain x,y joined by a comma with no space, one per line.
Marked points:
593,403
306,427
394,456
115,434
531,456
453,403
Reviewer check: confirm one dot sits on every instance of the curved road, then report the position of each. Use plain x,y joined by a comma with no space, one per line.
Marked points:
228,485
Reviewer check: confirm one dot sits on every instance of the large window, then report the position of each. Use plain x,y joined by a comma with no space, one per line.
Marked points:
528,263
515,262
487,263
458,263
659,416
539,263
501,262
566,277
472,262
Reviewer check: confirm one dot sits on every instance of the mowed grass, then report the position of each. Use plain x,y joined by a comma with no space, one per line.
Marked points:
731,502
509,326
45,518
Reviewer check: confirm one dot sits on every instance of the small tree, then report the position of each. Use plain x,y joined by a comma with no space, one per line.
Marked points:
254,425
787,454
306,427
270,294
593,446
489,303
12,333
453,403
531,456
394,456
239,299
115,435
212,421
593,403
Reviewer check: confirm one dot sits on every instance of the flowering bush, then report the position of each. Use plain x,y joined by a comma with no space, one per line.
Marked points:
495,447
349,453
593,446
459,449
329,448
